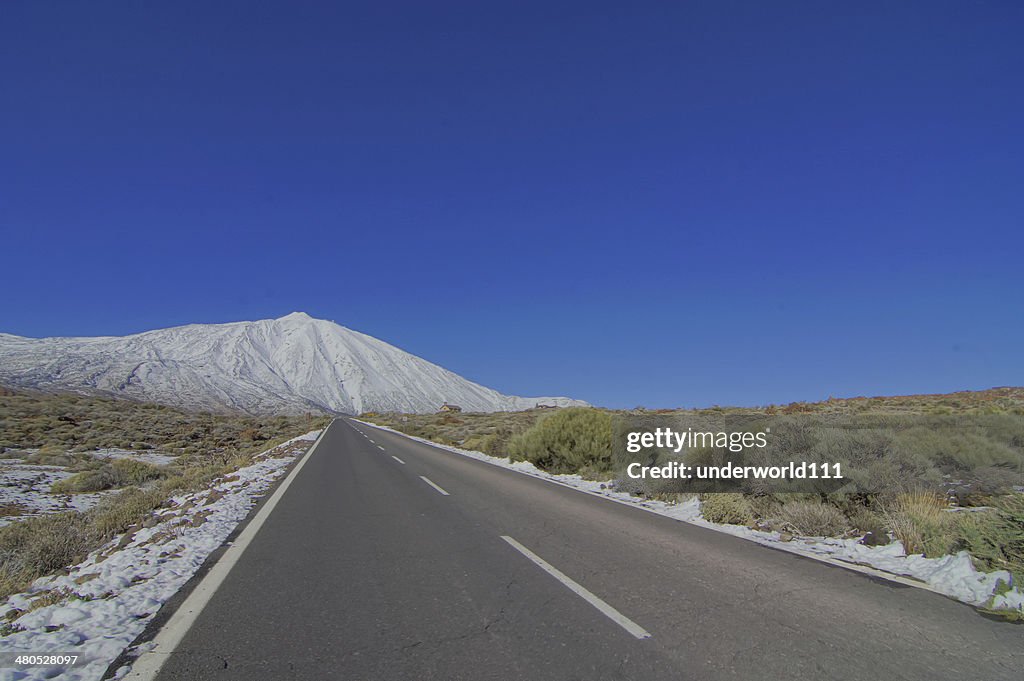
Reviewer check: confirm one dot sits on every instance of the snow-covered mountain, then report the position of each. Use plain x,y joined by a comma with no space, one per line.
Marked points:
292,364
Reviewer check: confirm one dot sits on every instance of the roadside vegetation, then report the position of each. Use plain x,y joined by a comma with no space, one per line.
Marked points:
488,433
72,431
939,473
568,441
60,425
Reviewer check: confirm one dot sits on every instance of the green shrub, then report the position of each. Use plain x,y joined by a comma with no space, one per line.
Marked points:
117,473
726,507
996,538
116,514
567,441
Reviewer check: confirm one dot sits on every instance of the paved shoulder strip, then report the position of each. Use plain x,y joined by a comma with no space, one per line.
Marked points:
607,610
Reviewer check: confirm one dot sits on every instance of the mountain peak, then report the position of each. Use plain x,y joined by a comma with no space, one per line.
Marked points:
296,317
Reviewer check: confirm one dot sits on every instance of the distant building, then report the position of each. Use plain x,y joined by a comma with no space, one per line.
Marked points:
450,407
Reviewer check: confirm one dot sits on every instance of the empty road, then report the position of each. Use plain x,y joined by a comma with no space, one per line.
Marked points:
391,559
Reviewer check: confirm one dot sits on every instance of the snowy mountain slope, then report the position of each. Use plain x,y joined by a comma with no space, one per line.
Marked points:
292,364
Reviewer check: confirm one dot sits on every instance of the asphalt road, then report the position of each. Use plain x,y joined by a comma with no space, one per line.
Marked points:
366,570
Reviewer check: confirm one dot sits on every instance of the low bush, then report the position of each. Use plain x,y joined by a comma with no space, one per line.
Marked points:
493,444
726,507
814,519
766,507
870,525
567,441
988,480
64,459
117,473
116,514
996,538
46,543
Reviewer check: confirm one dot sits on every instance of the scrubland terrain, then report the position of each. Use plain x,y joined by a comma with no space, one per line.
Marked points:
940,474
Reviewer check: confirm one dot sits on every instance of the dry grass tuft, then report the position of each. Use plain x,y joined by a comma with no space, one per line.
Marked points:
814,519
921,522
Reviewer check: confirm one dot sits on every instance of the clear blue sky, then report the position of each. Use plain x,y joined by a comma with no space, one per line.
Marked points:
669,203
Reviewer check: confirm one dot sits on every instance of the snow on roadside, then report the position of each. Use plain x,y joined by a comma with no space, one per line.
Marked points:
954,576
119,587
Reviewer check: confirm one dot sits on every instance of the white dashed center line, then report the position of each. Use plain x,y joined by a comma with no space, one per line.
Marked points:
607,610
427,480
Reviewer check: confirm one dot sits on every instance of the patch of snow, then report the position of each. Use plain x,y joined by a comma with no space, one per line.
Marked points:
150,456
120,588
954,576
27,486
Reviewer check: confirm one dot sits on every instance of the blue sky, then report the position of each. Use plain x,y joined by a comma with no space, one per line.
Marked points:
631,203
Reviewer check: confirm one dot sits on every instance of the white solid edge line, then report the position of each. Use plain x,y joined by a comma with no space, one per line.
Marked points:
148,665
778,546
428,481
397,459
581,591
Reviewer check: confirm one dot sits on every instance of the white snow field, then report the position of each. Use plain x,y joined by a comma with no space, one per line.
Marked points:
293,364
117,589
952,576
